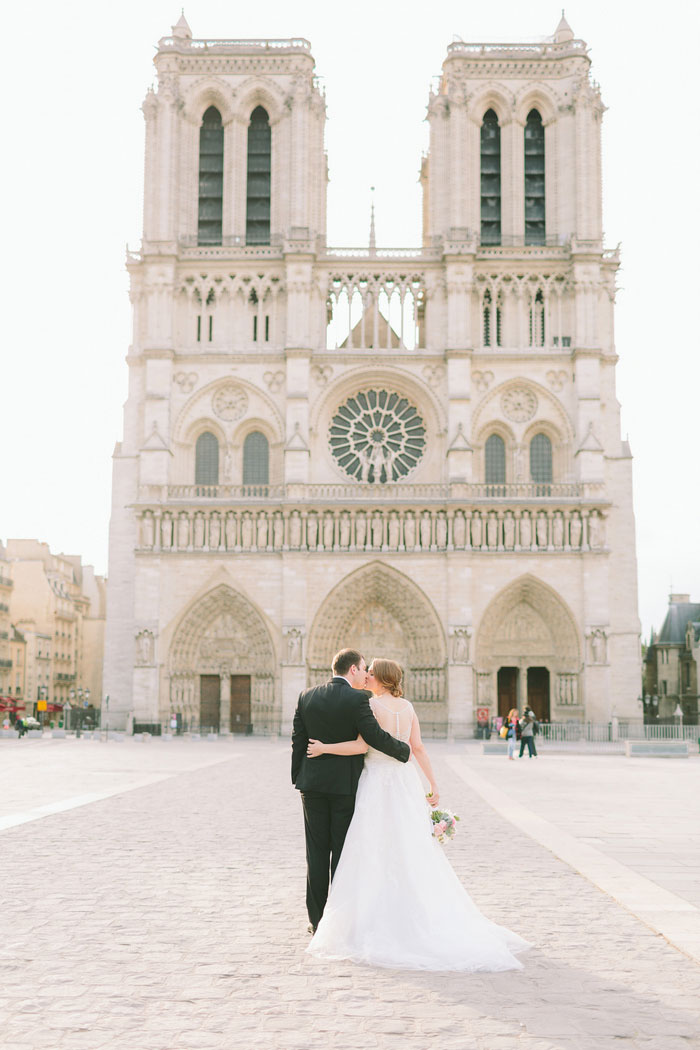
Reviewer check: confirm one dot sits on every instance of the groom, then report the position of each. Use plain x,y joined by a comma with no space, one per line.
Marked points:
333,712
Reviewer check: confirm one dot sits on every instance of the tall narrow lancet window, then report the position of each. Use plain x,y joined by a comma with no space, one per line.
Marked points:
206,460
490,179
258,189
541,463
534,179
256,459
495,463
211,178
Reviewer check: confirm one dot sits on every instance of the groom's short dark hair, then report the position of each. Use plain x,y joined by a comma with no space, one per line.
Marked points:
343,661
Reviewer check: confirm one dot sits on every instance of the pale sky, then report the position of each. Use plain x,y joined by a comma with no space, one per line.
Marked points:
75,75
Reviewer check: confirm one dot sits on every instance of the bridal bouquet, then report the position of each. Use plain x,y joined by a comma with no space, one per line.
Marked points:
444,824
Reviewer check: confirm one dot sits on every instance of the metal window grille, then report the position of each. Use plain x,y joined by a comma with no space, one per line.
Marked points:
206,467
211,178
256,459
534,179
495,460
490,179
541,462
259,174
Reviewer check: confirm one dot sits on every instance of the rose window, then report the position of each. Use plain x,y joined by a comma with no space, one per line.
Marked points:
377,436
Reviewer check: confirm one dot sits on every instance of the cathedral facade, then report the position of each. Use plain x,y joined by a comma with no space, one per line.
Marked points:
416,452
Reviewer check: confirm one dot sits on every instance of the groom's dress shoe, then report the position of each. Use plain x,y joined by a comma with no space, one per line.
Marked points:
311,928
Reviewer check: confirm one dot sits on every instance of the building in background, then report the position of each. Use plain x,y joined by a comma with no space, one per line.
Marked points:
5,631
18,655
671,665
415,451
58,606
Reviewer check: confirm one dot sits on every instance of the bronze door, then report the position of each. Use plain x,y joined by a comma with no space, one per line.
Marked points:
209,696
240,703
507,689
538,692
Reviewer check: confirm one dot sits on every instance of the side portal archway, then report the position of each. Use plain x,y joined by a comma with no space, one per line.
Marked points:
528,650
381,612
222,664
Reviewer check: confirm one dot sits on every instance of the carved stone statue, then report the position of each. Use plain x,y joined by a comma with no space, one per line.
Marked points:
394,530
542,529
246,531
476,530
166,531
230,531
425,530
409,531
294,646
328,532
377,529
147,530
508,530
492,531
261,531
345,529
558,530
525,530
596,531
183,532
576,531
598,646
278,531
460,646
214,532
295,529
360,531
459,530
199,530
441,530
144,648
311,531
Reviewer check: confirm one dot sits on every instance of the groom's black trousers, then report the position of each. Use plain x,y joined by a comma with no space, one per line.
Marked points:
326,822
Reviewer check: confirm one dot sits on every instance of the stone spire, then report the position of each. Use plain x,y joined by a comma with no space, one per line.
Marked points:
563,31
372,234
181,28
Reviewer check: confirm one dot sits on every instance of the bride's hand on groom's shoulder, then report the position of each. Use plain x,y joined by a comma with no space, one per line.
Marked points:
314,749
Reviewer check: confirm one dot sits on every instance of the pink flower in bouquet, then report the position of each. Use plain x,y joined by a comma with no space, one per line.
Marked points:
440,828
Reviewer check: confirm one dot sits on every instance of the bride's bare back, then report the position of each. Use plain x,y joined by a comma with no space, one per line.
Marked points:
395,715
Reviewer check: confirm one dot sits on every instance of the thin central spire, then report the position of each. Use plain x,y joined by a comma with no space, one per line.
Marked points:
372,233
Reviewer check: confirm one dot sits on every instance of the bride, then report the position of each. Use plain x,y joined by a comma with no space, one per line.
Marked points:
395,899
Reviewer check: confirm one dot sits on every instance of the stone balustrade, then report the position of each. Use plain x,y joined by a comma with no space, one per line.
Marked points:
395,492
371,528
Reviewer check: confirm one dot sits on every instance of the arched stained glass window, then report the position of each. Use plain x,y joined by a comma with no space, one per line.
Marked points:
256,459
541,463
490,179
495,462
534,179
206,460
259,174
211,178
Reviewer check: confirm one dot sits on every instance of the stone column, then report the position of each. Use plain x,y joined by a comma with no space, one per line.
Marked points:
225,702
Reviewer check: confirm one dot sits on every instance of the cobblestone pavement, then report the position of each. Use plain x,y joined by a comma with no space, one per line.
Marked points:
170,917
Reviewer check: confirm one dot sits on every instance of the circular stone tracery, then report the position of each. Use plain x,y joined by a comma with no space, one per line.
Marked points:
377,436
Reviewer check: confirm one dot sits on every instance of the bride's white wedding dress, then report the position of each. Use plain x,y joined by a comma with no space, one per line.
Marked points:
395,900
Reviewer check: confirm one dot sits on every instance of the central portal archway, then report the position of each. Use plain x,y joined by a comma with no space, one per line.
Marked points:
222,664
382,613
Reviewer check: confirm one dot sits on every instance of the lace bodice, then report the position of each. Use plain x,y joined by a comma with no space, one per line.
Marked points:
394,714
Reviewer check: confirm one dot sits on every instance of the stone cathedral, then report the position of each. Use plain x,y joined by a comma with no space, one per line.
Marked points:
413,451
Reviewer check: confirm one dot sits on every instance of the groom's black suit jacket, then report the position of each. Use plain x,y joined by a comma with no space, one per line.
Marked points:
335,712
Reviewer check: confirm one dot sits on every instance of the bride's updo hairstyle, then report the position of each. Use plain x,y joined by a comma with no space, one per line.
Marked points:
389,674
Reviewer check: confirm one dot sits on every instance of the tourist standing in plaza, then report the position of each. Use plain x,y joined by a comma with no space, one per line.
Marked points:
528,727
512,724
395,900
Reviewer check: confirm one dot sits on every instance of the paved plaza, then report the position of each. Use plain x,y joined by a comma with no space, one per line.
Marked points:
154,901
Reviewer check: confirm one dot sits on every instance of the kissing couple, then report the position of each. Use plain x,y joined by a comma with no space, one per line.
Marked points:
394,899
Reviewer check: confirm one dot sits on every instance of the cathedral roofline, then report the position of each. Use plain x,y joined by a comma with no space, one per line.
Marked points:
187,45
